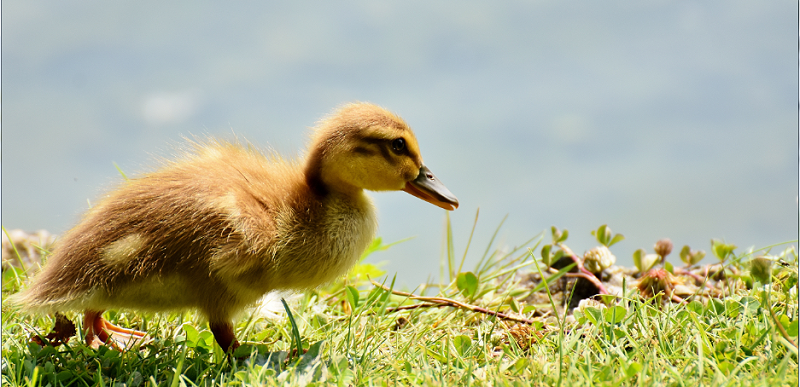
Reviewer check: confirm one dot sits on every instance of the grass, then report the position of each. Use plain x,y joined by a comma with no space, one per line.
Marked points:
356,333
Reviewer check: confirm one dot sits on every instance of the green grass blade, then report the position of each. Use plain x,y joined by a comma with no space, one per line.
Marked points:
489,246
549,295
547,281
124,176
469,241
295,332
16,253
450,253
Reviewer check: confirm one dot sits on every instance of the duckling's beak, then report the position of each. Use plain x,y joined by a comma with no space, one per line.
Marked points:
428,188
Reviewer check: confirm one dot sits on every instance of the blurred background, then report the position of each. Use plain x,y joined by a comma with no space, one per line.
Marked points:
662,119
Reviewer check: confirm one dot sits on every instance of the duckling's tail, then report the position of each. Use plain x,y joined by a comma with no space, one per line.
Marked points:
17,300
29,301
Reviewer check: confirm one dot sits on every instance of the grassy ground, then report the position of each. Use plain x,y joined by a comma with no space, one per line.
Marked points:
356,333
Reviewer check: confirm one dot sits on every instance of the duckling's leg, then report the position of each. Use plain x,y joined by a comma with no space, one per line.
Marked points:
223,333
99,331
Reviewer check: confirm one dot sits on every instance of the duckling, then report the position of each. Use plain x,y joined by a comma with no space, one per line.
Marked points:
225,224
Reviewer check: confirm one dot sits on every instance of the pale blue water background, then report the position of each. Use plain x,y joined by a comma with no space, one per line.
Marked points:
663,119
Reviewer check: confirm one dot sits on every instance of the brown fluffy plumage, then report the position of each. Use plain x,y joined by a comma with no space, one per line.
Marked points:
223,225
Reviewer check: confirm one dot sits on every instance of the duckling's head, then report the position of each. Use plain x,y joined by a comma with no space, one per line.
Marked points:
363,146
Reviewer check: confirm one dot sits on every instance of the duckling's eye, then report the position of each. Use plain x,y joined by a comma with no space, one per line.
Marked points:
398,144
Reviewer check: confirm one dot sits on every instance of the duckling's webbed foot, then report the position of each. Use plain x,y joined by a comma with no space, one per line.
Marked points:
223,333
99,331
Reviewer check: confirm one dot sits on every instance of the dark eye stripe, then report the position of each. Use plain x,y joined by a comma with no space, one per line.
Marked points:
376,141
362,150
386,154
383,145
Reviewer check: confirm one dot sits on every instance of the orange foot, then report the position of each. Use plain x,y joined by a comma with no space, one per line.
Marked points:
99,331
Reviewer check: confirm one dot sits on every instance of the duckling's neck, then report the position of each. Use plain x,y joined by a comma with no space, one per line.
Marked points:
313,174
323,187
314,181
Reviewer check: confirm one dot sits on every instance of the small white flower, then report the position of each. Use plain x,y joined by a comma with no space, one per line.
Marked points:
598,259
590,302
